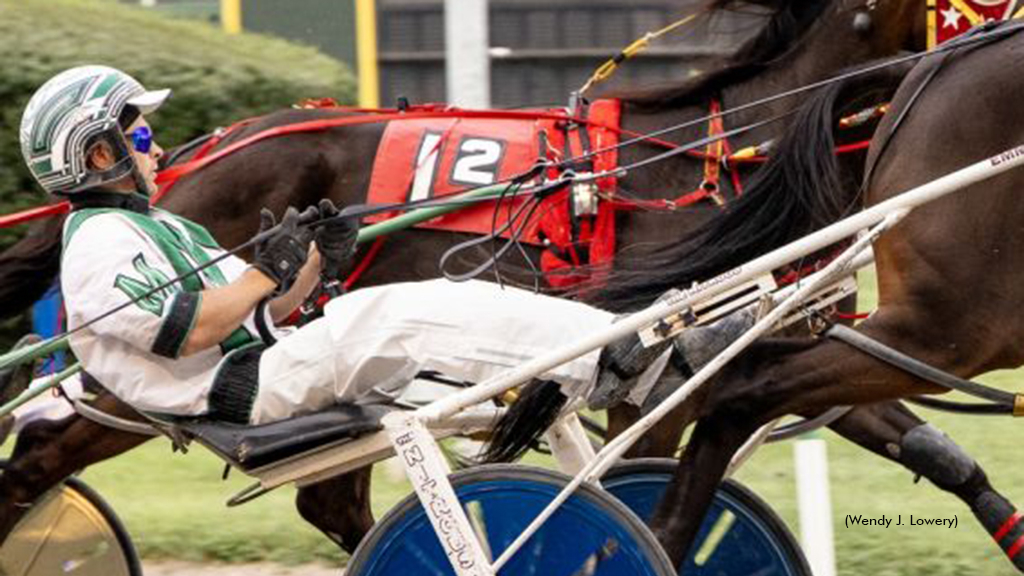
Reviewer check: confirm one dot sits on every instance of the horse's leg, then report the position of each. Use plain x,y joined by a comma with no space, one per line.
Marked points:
339,507
774,378
47,452
661,441
894,432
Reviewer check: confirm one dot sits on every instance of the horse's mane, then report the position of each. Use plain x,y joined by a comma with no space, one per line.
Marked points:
788,22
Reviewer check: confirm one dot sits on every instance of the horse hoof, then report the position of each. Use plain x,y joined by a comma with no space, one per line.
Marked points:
16,379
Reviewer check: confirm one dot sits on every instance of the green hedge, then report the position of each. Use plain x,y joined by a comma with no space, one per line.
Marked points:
216,78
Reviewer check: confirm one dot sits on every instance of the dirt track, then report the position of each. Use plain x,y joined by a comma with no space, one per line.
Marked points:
261,569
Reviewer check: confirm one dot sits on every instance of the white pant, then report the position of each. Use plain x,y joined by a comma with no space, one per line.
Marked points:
382,337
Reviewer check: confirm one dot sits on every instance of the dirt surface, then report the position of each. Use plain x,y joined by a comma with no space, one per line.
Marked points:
165,568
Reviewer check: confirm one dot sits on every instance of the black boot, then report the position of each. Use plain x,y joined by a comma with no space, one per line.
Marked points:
925,450
694,348
621,363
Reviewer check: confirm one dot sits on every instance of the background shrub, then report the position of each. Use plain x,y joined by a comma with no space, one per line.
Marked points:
217,79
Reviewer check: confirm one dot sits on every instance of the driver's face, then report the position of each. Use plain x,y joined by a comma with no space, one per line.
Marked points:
146,163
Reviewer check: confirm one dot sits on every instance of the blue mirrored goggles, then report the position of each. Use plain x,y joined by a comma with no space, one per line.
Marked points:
141,139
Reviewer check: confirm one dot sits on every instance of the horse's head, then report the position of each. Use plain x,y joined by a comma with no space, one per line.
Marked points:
837,32
888,26
891,24
873,29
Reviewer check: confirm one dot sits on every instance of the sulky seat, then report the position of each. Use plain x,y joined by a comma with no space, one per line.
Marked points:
248,447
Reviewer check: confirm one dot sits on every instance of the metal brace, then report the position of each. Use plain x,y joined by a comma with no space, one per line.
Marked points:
761,290
709,310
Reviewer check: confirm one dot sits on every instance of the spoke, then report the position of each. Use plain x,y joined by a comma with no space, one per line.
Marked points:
426,561
721,527
478,520
592,562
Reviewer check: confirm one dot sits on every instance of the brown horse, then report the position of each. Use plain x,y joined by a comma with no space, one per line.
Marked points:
950,279
802,42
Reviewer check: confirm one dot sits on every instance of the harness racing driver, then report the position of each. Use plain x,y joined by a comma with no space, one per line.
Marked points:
210,344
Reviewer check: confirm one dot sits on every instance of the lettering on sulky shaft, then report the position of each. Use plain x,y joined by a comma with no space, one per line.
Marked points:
455,543
1008,156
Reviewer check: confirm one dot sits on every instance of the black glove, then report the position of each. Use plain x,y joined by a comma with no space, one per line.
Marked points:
281,255
335,239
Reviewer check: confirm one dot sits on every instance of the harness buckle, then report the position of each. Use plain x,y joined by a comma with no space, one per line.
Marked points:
585,198
714,192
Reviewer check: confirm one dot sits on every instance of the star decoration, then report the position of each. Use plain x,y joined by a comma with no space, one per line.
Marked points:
951,18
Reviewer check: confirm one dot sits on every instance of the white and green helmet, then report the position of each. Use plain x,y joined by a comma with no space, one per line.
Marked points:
68,113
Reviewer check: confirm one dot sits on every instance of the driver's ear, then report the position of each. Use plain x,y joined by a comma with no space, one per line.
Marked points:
100,156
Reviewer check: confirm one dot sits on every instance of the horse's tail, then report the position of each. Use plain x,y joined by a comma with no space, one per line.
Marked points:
799,190
525,421
29,267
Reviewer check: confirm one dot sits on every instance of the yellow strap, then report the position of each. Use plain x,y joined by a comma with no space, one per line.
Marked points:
1019,13
973,17
713,155
605,71
681,22
933,28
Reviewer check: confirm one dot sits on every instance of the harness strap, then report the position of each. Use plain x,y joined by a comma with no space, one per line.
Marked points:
205,147
110,421
802,427
1008,403
714,152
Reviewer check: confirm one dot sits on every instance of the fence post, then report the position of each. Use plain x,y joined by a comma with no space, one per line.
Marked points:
467,60
814,503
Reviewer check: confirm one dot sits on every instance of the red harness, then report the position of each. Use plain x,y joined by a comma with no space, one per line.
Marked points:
428,157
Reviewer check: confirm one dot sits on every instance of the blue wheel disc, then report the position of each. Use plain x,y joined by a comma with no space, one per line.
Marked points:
740,535
501,500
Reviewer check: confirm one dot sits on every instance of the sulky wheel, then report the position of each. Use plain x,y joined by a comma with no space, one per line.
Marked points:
69,530
592,533
741,535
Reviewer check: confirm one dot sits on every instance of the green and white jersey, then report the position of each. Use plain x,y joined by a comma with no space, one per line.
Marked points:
112,256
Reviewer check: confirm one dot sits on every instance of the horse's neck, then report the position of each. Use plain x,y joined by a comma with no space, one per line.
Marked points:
811,62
